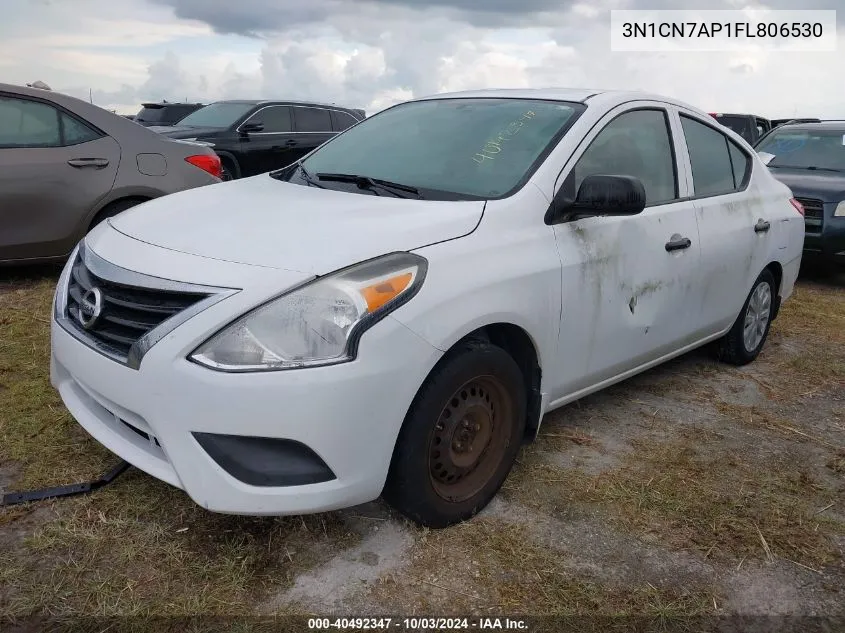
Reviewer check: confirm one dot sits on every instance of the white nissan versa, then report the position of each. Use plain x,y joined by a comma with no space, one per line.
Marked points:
395,313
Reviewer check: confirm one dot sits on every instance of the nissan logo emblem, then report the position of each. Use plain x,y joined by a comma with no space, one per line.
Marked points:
90,308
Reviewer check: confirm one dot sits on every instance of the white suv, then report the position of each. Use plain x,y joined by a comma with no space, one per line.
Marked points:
397,311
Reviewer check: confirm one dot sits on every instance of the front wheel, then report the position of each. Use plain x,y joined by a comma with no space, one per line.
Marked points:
743,343
460,437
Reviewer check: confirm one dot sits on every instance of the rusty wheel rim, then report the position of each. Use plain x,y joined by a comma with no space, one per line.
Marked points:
470,438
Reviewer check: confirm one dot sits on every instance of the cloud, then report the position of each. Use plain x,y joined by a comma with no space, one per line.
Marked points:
373,53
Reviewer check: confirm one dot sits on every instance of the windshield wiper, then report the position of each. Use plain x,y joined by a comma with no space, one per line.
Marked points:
365,182
285,174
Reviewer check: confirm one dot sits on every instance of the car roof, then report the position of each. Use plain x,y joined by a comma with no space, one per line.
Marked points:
164,104
264,102
602,97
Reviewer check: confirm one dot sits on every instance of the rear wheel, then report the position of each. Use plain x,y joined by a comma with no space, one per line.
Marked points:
228,171
460,437
743,343
113,208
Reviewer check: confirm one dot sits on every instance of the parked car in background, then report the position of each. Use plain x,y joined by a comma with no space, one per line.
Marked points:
779,122
131,117
66,165
749,126
398,310
254,137
165,113
810,159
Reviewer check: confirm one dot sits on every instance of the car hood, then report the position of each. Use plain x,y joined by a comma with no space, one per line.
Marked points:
265,222
827,186
176,131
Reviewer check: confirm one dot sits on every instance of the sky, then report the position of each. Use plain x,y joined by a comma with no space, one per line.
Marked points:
374,53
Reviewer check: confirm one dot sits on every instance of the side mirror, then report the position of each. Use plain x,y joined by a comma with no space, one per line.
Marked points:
254,126
765,157
598,195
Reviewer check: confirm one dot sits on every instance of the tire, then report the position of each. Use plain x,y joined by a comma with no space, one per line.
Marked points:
757,311
228,170
113,208
475,402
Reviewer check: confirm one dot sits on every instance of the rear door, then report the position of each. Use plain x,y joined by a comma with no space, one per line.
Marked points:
54,169
313,127
342,120
733,252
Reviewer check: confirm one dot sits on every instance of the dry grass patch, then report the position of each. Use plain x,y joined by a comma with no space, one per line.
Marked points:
142,548
488,565
704,496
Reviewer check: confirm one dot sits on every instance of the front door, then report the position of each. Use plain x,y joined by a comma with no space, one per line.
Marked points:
628,283
54,169
271,148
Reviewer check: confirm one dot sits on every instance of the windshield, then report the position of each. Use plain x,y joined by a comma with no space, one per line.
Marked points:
806,149
219,115
448,148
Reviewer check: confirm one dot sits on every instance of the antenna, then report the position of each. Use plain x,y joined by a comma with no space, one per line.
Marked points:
90,95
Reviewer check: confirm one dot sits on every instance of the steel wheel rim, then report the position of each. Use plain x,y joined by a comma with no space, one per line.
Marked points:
757,316
470,438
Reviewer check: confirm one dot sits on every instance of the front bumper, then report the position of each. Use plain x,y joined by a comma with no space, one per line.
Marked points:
349,415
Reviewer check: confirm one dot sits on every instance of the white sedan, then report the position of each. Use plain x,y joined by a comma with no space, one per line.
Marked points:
395,313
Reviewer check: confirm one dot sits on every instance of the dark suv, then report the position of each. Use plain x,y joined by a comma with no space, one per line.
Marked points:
254,137
165,113
749,126
809,158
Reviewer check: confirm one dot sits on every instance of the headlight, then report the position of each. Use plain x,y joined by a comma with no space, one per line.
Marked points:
840,210
317,324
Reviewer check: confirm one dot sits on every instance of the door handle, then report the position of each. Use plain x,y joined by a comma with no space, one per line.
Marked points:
678,243
99,163
762,226
287,144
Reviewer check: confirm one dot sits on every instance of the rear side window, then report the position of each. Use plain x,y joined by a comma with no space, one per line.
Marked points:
719,166
28,124
75,132
312,120
638,144
342,120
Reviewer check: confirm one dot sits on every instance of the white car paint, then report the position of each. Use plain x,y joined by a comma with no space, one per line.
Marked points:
600,299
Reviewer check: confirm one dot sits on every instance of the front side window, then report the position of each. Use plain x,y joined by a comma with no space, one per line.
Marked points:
217,115
812,149
637,144
718,165
313,120
450,148
28,124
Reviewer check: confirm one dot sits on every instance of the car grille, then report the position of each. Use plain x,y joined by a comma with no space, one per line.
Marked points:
813,214
128,312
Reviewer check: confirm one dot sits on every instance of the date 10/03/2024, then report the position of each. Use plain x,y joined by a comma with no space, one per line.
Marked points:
417,624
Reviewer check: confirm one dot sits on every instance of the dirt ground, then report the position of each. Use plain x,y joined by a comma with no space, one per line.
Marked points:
695,489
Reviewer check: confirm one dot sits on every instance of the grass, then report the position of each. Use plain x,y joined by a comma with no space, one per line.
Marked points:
700,495
489,565
139,547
